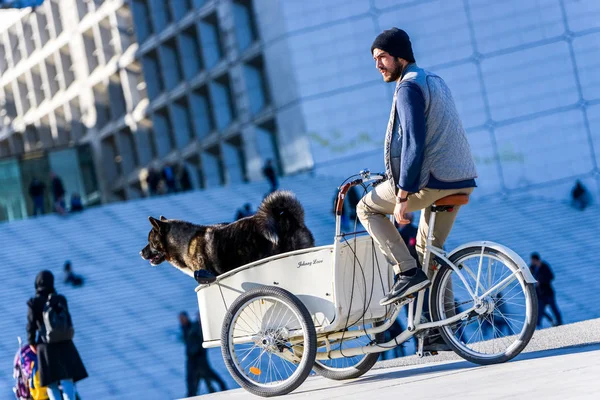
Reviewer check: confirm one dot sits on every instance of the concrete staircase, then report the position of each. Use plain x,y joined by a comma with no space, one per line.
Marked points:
126,314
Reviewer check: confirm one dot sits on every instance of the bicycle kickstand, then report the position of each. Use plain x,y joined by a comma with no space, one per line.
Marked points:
420,341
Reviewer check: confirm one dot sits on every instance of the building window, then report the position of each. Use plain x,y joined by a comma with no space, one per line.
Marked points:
3,60
52,84
102,106
146,148
82,8
267,143
161,14
137,84
58,28
234,159
13,42
9,102
111,160
201,117
45,131
125,27
90,50
67,66
36,77
162,132
256,85
170,64
141,18
210,39
76,126
42,24
179,8
192,172
62,133
28,36
154,81
106,39
181,123
212,164
128,153
191,59
30,138
116,98
245,28
23,94
221,102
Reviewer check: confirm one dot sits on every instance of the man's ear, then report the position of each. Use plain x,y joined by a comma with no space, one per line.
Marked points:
160,226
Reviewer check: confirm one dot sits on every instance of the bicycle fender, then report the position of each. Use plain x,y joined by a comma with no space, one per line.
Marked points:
523,267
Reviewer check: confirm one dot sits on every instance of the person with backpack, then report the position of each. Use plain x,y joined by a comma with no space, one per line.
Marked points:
50,335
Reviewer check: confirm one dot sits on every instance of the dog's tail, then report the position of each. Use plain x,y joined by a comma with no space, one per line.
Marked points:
282,213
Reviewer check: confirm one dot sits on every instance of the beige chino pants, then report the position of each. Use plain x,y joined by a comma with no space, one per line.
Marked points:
373,211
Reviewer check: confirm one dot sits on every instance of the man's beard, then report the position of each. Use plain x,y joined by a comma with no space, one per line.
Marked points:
395,73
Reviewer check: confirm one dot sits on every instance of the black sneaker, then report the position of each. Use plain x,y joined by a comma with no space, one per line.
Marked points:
408,283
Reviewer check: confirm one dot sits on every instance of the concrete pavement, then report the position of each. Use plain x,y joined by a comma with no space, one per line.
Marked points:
559,363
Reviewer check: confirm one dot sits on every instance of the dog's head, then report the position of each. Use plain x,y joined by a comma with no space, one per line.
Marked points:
155,251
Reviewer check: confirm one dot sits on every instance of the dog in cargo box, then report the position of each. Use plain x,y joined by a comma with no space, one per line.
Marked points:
204,251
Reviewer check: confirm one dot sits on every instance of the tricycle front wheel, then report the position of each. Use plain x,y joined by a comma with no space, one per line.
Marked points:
268,341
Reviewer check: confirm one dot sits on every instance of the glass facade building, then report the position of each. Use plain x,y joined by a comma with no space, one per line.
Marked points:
218,87
142,84
211,104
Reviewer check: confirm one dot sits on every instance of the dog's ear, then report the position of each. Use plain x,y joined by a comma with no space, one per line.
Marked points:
160,226
162,218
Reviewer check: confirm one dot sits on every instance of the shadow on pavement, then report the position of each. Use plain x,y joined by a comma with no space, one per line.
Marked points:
457,366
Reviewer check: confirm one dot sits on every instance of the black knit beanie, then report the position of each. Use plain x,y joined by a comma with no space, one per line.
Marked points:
396,42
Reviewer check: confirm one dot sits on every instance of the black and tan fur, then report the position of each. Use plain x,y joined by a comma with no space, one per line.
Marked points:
277,227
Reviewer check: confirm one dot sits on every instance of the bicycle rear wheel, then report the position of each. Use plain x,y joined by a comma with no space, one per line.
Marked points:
504,323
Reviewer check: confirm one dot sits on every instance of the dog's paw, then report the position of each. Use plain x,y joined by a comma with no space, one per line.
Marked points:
203,277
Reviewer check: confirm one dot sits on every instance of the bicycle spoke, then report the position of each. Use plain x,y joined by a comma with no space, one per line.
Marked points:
502,312
265,358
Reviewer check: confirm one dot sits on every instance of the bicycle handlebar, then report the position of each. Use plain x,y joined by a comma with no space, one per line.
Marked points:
365,176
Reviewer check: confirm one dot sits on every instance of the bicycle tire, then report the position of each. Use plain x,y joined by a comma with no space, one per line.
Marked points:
531,318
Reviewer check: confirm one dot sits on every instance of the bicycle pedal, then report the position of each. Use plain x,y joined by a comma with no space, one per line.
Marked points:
404,301
427,354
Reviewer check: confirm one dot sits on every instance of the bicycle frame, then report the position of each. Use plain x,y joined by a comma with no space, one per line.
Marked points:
414,315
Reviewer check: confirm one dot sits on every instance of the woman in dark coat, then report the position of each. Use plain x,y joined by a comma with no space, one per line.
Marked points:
57,362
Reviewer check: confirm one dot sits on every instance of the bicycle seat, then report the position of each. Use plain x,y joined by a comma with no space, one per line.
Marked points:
453,200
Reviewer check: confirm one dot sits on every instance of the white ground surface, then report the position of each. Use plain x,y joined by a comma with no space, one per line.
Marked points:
559,363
